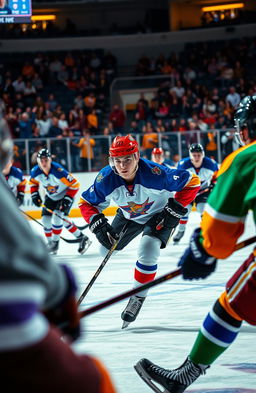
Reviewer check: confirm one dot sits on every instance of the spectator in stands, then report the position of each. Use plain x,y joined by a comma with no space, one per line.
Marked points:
178,89
62,123
55,131
86,144
51,103
210,143
117,117
92,122
149,140
74,134
19,85
43,124
26,125
233,97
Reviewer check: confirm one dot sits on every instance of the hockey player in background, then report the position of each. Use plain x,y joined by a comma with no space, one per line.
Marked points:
34,357
60,188
158,156
205,168
143,191
15,181
222,224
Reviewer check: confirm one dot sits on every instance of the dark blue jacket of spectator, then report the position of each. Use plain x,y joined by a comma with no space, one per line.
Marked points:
54,131
25,127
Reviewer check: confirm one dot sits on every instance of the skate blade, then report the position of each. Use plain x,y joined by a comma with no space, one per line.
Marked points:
146,378
86,248
125,324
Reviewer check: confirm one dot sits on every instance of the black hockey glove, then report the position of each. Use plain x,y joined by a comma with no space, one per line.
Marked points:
65,205
104,232
36,199
20,198
171,215
196,263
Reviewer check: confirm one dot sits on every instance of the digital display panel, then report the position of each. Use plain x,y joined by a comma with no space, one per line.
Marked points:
15,11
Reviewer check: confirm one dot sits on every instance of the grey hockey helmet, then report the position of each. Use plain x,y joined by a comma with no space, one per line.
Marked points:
245,117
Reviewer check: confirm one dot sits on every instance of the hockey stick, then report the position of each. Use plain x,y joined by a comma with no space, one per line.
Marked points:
64,219
39,223
148,285
103,263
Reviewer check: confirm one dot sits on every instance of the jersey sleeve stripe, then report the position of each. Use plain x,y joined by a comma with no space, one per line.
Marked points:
71,184
219,237
223,217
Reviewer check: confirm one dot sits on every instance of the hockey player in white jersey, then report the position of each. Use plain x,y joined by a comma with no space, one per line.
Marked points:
143,191
36,294
158,157
205,168
60,188
15,181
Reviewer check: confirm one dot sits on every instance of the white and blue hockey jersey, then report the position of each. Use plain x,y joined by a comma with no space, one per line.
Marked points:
205,172
58,183
16,181
153,185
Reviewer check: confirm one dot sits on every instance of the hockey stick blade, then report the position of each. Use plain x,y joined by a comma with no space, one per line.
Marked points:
39,223
103,263
146,378
157,281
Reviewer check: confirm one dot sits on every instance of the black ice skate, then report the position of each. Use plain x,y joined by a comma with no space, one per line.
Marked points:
53,247
173,381
132,310
84,244
177,237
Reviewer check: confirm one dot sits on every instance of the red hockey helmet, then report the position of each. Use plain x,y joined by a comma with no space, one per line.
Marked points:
157,150
123,146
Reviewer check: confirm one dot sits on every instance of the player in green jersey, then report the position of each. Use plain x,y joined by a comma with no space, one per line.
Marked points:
222,224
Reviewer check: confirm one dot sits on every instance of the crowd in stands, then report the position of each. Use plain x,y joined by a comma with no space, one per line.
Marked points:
62,95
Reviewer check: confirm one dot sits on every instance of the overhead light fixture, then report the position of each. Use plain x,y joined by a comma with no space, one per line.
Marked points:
40,18
222,7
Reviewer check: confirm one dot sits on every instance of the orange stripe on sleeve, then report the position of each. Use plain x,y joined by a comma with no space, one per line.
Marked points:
71,184
223,299
219,237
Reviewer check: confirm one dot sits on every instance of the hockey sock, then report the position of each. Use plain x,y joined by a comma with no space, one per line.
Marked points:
72,228
217,333
146,265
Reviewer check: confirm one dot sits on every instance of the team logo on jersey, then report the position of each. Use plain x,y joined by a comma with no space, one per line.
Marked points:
137,209
156,170
99,178
52,189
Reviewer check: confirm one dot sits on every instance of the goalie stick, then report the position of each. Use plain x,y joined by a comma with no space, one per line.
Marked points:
159,280
39,223
103,263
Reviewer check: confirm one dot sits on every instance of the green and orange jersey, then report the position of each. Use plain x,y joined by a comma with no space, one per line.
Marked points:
227,207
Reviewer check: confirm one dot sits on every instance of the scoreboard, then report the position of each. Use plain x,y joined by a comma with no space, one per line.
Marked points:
15,11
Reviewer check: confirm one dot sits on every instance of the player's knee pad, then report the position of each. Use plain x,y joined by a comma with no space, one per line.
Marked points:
149,250
47,221
57,219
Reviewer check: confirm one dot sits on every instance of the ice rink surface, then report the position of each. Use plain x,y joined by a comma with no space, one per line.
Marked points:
169,320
